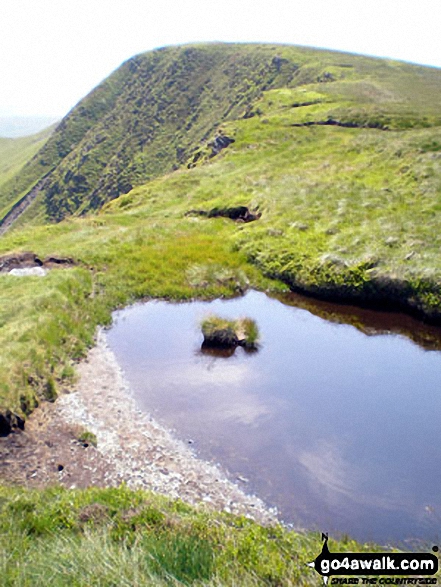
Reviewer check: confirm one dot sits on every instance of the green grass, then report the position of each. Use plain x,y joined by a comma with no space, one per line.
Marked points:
86,437
110,537
251,331
346,212
219,331
143,121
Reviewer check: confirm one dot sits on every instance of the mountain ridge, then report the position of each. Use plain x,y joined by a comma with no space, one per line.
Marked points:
159,108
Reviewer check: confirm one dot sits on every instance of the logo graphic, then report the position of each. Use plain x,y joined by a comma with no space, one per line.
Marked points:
369,563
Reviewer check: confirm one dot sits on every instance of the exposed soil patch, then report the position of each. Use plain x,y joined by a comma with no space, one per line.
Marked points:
380,292
131,447
302,104
29,260
349,124
236,213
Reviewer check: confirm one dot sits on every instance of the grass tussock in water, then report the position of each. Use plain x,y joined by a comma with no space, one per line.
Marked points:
221,332
108,537
251,331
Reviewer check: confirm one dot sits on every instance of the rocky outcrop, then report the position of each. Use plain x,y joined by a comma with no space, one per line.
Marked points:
210,149
219,143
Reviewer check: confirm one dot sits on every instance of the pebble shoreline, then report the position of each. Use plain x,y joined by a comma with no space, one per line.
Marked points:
140,452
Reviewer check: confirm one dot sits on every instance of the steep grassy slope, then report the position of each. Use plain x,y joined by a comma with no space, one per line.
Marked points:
144,120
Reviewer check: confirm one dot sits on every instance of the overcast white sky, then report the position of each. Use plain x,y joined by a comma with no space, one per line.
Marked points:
53,52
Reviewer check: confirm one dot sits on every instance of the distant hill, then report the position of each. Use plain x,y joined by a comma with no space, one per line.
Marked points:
15,153
158,108
23,126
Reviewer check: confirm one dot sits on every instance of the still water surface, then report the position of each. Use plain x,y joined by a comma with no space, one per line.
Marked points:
339,429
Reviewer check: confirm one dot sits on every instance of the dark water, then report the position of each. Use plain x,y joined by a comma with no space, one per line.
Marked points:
340,430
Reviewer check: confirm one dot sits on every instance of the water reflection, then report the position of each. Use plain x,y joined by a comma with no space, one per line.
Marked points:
370,322
225,352
217,352
339,430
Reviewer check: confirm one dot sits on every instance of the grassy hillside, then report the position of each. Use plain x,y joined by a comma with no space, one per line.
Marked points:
144,120
346,212
158,108
14,154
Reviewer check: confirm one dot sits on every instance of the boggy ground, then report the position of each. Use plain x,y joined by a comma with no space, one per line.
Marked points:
131,447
